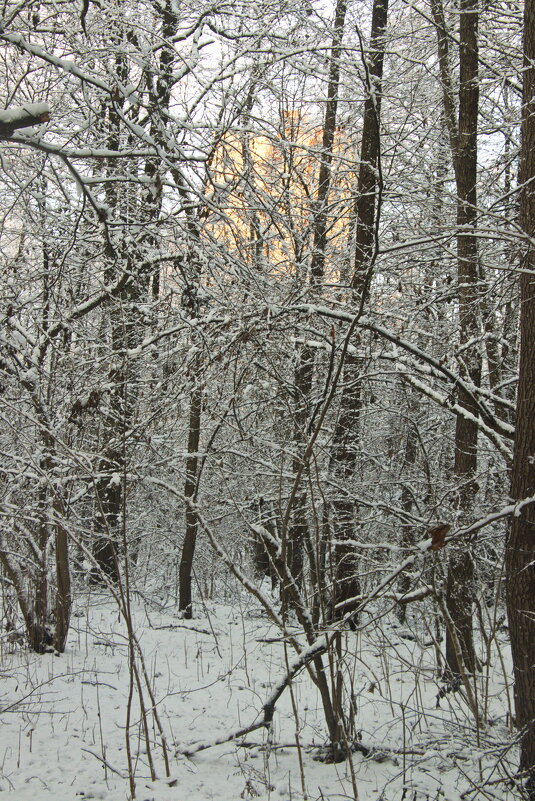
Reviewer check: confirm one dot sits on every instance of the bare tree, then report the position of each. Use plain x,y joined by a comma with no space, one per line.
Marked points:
345,451
520,553
461,120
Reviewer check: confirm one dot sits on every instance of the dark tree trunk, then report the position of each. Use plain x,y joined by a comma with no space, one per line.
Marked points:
346,434
264,551
190,491
346,583
463,140
298,527
108,490
460,585
370,151
63,579
128,326
407,500
298,531
520,551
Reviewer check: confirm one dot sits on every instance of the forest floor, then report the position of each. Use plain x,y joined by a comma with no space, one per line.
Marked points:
63,732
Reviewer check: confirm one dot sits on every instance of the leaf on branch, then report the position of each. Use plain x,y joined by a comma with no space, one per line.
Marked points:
438,535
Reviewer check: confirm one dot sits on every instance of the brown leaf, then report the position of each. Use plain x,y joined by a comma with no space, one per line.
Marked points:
438,535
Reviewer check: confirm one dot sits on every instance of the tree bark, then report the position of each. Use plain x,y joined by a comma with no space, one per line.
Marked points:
127,327
298,531
520,549
407,498
190,491
463,141
63,578
26,116
346,435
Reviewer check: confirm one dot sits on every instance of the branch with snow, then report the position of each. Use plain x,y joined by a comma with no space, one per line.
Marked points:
325,639
438,368
13,119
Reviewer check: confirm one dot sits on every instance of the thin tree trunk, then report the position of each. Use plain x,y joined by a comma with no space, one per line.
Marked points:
298,532
298,527
346,435
346,582
190,490
407,499
463,140
520,549
63,579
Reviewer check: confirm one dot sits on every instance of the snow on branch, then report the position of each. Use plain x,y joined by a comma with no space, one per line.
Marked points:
66,66
324,640
490,420
12,119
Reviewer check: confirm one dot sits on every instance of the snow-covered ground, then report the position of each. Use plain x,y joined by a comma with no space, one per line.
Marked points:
63,732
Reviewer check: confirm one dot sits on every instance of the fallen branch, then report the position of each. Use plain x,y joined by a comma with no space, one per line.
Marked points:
202,745
182,626
105,763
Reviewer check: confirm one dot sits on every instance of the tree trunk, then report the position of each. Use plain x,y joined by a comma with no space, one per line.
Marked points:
298,532
460,585
346,434
190,491
520,550
127,324
298,527
108,489
63,580
407,498
463,140
346,582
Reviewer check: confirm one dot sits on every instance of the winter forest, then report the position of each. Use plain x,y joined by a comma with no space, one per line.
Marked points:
267,400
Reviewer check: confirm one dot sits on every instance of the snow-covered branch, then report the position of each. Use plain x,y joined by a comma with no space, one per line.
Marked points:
13,119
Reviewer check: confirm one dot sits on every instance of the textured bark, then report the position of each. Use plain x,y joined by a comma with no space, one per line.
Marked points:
40,583
159,99
345,452
190,305
368,178
460,585
39,638
108,490
317,266
13,119
109,494
520,550
264,551
298,527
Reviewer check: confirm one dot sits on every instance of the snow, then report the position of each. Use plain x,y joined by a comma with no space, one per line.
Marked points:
13,116
64,717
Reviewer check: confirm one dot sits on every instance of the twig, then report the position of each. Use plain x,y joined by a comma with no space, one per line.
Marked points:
105,763
182,626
